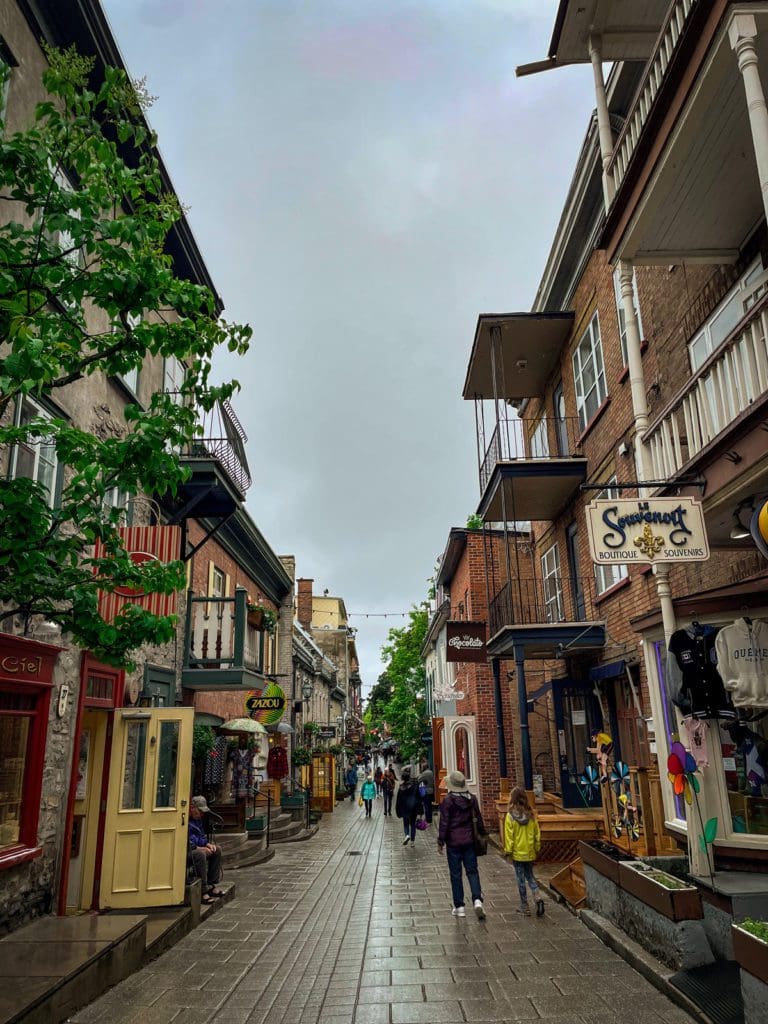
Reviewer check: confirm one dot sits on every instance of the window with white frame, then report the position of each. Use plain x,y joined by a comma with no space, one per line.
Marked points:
607,576
62,238
117,498
620,311
589,373
173,378
553,584
131,377
218,583
35,460
539,440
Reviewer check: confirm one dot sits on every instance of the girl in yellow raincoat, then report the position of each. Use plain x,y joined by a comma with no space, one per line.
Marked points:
522,842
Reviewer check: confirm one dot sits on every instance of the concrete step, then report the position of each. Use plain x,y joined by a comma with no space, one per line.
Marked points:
284,830
259,856
301,836
206,909
230,844
164,929
245,854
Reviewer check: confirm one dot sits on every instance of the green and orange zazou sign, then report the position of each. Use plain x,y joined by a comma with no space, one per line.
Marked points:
267,705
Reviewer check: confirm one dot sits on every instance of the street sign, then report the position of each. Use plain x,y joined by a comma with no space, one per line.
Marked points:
643,531
327,732
267,705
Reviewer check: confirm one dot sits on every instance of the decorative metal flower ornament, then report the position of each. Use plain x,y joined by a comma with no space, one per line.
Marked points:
681,772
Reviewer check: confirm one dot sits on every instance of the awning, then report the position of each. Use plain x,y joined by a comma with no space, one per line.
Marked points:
610,671
529,346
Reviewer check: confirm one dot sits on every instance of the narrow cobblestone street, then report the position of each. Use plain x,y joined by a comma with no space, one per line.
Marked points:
353,928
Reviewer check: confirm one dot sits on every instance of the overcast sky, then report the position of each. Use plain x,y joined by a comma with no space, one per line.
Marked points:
364,177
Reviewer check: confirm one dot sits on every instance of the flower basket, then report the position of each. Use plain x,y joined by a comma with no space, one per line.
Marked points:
751,950
255,617
301,756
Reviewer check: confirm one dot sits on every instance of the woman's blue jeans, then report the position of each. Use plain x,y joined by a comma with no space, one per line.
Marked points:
465,856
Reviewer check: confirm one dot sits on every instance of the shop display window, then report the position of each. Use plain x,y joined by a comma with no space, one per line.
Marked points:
744,746
671,726
22,724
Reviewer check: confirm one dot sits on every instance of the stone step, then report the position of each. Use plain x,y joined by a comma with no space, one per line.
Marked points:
259,856
244,854
206,909
300,836
278,834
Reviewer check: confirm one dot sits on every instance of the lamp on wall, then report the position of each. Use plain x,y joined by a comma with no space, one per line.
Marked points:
739,531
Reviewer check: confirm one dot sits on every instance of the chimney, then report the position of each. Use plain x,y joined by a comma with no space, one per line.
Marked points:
304,603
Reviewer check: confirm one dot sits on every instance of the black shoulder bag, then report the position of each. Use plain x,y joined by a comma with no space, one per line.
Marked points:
480,839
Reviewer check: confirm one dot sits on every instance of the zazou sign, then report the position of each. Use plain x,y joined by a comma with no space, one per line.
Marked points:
646,530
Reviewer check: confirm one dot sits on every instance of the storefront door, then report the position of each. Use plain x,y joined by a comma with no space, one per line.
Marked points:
577,716
323,782
145,833
460,748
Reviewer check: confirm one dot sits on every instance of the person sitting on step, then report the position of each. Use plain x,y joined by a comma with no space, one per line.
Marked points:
205,856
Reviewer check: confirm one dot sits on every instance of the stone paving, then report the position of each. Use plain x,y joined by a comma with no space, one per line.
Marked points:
353,928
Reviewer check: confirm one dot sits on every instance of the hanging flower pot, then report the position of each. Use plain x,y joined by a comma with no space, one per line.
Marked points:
255,616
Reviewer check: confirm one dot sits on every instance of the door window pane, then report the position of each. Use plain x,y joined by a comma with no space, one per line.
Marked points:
14,733
461,744
133,770
167,764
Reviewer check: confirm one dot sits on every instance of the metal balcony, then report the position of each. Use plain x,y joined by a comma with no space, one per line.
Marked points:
530,469
222,651
547,617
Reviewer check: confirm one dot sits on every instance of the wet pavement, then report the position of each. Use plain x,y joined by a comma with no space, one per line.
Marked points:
353,928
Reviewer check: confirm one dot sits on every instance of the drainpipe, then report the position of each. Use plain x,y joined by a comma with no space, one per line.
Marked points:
603,120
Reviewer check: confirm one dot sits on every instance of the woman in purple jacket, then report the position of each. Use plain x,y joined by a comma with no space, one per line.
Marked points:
457,836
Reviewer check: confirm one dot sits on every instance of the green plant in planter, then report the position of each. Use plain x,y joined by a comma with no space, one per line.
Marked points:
757,928
336,749
311,728
262,617
203,742
301,756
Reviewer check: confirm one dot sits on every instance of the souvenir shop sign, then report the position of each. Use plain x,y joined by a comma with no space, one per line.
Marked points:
267,705
647,530
465,641
327,732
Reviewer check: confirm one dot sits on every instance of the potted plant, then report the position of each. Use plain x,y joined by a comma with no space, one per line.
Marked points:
301,756
336,749
750,947
261,617
311,728
603,857
662,892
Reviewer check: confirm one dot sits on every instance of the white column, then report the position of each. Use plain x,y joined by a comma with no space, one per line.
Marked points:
635,365
603,119
742,33
664,591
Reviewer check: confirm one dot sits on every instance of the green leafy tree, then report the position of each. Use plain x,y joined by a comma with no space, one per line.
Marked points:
87,287
405,709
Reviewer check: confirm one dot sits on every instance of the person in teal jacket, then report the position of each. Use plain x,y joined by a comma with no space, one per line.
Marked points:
368,792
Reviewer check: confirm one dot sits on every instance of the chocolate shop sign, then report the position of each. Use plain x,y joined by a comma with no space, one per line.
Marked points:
465,641
647,530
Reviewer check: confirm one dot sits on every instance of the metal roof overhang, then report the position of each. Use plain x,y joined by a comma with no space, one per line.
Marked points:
533,490
627,31
530,346
547,640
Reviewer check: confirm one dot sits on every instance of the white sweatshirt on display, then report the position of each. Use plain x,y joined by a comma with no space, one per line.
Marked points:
742,660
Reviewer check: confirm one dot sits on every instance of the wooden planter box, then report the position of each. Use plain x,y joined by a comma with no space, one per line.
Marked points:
674,904
604,863
256,824
751,953
294,800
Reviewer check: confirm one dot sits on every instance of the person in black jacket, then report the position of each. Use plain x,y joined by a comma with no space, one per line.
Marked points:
408,806
456,834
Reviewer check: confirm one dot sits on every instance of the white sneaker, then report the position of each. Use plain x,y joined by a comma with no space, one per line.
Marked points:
413,842
406,841
479,910
459,912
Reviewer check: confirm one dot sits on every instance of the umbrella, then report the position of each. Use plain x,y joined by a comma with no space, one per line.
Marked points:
242,725
282,727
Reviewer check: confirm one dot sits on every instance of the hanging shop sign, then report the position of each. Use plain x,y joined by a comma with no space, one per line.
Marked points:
267,705
327,732
647,530
143,544
759,526
466,641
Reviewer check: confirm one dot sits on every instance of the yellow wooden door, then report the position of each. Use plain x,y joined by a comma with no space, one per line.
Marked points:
145,833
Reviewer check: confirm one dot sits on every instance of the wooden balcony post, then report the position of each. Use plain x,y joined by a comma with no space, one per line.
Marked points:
241,618
635,365
742,34
603,120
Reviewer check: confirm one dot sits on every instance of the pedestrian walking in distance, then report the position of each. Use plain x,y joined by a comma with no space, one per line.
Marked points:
426,783
408,806
378,775
368,792
522,842
456,835
350,780
388,783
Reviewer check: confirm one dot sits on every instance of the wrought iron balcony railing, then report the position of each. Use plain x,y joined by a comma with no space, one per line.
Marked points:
516,440
534,601
221,437
731,380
